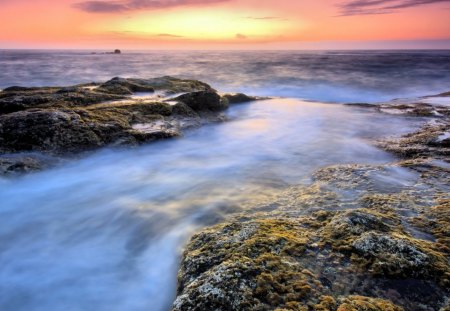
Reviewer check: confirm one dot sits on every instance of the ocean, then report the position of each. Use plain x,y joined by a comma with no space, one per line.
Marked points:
331,76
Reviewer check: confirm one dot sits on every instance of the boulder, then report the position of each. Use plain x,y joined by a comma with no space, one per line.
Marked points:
239,98
203,101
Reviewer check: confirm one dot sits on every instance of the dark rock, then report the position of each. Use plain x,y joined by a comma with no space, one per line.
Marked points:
46,130
123,86
182,109
71,89
19,164
17,89
239,98
444,94
52,98
203,101
117,52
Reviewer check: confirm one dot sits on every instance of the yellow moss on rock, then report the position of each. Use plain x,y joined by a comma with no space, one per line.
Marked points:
307,262
360,303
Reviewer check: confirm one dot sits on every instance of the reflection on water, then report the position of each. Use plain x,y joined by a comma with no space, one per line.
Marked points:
104,232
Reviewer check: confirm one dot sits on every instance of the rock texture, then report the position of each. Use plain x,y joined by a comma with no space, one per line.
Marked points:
68,120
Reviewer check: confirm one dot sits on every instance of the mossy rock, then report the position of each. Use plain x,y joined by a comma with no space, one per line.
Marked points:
247,266
310,263
360,303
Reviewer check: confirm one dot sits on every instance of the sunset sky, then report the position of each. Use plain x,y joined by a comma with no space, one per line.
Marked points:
225,24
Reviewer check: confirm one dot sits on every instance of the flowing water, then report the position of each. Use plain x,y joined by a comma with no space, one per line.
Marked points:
105,232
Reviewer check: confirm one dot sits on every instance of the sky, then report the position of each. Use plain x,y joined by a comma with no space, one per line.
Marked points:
225,24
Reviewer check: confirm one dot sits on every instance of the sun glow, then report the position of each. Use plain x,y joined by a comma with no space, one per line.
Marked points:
201,25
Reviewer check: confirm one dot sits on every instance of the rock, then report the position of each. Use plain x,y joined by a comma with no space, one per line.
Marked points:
432,140
444,94
117,52
356,222
123,86
46,130
169,85
245,266
52,98
64,120
184,110
391,255
19,165
361,105
288,264
360,303
203,101
173,85
239,98
17,89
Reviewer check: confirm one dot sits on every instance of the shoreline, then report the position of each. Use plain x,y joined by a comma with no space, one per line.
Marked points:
342,242
385,249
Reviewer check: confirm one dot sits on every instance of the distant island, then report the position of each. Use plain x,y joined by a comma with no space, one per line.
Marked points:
117,51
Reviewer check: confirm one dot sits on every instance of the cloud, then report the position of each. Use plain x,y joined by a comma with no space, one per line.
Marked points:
169,35
131,5
369,7
241,36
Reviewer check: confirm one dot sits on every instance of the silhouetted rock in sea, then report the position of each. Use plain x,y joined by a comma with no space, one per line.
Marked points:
386,248
68,120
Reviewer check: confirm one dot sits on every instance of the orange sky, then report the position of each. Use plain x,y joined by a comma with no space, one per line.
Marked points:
224,24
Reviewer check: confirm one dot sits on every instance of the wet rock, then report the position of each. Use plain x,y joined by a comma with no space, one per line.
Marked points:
52,98
444,94
360,303
246,266
356,222
123,86
46,130
311,262
203,101
17,89
169,85
184,110
431,140
362,105
239,98
392,256
19,165
63,120
173,85
436,221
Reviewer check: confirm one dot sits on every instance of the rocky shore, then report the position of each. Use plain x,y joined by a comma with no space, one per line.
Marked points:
39,127
360,237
